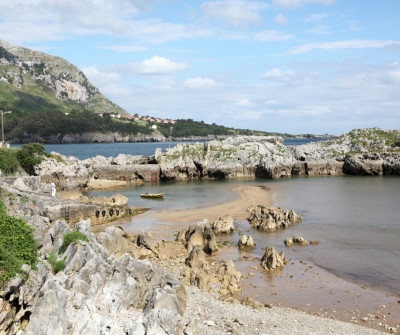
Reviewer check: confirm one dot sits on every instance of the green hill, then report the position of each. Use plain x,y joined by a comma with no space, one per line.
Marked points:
33,81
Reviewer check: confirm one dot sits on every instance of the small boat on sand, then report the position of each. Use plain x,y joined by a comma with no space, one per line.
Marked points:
153,195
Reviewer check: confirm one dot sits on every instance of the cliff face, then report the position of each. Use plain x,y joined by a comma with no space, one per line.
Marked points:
25,71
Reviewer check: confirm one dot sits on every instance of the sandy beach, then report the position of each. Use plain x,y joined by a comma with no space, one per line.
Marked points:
301,284
247,196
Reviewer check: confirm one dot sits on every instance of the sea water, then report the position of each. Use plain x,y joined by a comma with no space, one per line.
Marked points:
89,150
356,219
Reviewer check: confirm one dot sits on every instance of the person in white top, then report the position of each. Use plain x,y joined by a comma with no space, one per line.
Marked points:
53,189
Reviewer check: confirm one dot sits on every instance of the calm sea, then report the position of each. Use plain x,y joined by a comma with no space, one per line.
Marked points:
356,219
88,150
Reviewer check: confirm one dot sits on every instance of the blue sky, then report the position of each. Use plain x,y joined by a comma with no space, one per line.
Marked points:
296,66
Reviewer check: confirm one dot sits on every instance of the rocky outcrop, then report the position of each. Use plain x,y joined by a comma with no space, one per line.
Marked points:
246,242
221,276
272,260
273,218
223,225
199,234
96,293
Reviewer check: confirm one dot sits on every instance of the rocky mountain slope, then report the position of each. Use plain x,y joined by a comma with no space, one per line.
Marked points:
32,80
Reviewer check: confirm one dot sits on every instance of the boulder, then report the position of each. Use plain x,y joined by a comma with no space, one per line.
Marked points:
272,260
288,242
272,218
252,303
246,242
223,225
299,240
221,277
199,234
314,242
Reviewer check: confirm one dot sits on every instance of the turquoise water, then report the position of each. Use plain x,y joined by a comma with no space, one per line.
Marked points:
355,218
88,150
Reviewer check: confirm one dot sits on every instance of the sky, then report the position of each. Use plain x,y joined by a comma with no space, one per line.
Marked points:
294,66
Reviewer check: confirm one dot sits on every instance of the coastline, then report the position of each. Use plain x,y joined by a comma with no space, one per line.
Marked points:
301,284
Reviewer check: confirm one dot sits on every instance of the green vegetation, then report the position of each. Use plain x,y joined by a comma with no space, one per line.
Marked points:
47,123
13,160
188,127
57,265
72,237
17,247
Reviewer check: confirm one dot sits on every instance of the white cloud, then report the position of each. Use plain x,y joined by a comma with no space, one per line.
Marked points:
200,82
243,102
30,21
124,48
235,12
277,74
316,17
350,44
272,36
100,78
281,19
156,65
290,4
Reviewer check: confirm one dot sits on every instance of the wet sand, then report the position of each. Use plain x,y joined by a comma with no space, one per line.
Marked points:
247,196
301,284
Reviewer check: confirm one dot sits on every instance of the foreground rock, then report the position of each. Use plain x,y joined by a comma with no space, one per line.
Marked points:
246,242
96,293
221,277
272,218
223,225
272,260
199,234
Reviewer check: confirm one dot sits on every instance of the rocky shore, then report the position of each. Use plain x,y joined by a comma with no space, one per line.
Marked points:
119,283
116,283
361,152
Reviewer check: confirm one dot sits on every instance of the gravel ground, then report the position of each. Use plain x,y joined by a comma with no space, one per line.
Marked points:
207,315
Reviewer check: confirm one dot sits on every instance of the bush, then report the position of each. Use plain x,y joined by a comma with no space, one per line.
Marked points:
35,148
55,264
72,237
8,161
17,247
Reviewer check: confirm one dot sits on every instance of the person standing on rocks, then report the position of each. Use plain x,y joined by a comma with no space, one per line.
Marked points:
53,189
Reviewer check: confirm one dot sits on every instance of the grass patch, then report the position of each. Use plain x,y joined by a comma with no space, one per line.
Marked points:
72,237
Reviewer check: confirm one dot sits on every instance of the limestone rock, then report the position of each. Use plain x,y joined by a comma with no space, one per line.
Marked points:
299,240
246,242
272,260
314,242
273,218
288,242
223,225
252,303
221,277
200,234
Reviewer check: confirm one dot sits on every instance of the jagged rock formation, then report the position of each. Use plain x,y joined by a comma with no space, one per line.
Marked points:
242,156
223,225
221,277
20,67
246,242
96,293
200,235
273,218
272,260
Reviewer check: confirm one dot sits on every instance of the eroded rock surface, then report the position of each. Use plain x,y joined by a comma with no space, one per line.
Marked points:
199,234
223,225
272,218
246,242
272,260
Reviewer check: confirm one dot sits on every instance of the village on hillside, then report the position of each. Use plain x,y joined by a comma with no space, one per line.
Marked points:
137,117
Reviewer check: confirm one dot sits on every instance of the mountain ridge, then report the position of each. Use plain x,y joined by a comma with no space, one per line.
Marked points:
29,77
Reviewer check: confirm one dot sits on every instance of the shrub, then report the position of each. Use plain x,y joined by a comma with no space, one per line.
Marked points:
27,161
17,247
57,265
72,237
35,148
8,161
